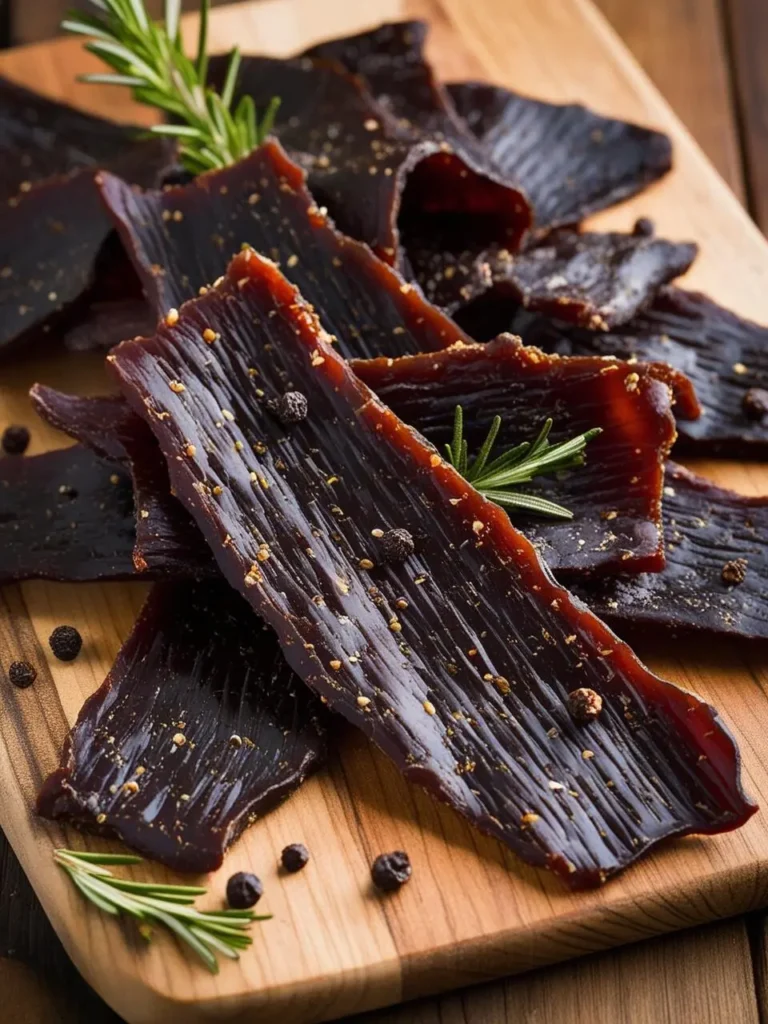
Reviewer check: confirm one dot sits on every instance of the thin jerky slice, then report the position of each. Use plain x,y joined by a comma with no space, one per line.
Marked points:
180,240
199,729
569,160
457,661
725,356
716,576
167,543
65,515
368,171
591,279
106,324
615,498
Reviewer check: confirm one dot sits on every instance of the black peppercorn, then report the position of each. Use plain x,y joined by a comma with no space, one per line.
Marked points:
15,440
295,857
66,643
755,404
644,228
291,407
391,870
22,674
244,890
397,545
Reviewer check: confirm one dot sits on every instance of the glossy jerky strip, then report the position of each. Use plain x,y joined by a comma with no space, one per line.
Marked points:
569,160
457,661
198,730
725,357
615,498
716,577
167,543
591,279
65,515
371,173
181,239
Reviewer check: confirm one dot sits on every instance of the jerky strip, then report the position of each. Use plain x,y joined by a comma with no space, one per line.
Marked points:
594,280
457,661
615,498
568,160
198,730
716,576
725,356
181,239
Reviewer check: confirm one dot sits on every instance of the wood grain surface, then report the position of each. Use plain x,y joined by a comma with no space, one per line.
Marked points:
470,912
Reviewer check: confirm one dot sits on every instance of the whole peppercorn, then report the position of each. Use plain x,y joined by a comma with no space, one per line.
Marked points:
755,404
397,545
391,870
734,572
66,643
644,228
15,440
291,407
244,890
22,674
584,704
295,857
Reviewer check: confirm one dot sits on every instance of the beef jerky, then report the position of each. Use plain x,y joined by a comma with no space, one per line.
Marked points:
199,729
180,240
725,356
591,279
374,176
55,249
167,543
569,160
65,515
615,498
716,577
106,324
457,661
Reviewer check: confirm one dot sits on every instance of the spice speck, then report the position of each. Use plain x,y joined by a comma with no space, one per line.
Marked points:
244,890
22,674
15,440
391,870
66,643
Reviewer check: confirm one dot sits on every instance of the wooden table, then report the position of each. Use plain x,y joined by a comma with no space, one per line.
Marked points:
705,56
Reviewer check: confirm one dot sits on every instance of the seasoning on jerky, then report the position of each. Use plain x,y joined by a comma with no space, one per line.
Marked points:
198,666
476,585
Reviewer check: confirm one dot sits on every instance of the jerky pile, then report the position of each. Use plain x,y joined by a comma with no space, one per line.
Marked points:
394,223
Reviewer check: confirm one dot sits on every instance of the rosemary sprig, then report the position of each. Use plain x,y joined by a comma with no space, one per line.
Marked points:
149,58
207,932
518,465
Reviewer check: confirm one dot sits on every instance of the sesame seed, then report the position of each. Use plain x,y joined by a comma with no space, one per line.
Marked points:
292,260
365,563
179,739
529,819
478,526
740,368
371,124
130,787
209,335
429,707
114,479
434,460
363,702
235,740
172,317
176,386
587,754
395,626
335,664
144,514
191,451
377,533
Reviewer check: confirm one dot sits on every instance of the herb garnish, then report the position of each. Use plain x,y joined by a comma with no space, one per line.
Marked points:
207,932
149,57
519,465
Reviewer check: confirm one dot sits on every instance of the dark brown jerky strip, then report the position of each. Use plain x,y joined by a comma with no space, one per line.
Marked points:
458,661
371,173
65,515
181,239
106,324
725,356
716,576
594,280
615,498
568,160
167,543
199,728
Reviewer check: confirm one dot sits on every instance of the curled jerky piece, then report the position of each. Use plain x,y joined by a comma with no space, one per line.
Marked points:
615,498
65,515
568,160
167,543
199,728
457,661
106,324
594,280
725,357
716,576
372,174
180,240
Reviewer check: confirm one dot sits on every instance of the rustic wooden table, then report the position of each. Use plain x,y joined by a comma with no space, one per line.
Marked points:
706,56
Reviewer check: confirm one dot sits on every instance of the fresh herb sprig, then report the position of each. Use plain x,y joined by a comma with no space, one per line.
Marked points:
497,478
149,58
207,932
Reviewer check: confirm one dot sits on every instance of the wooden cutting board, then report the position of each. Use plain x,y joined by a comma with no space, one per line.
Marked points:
472,911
